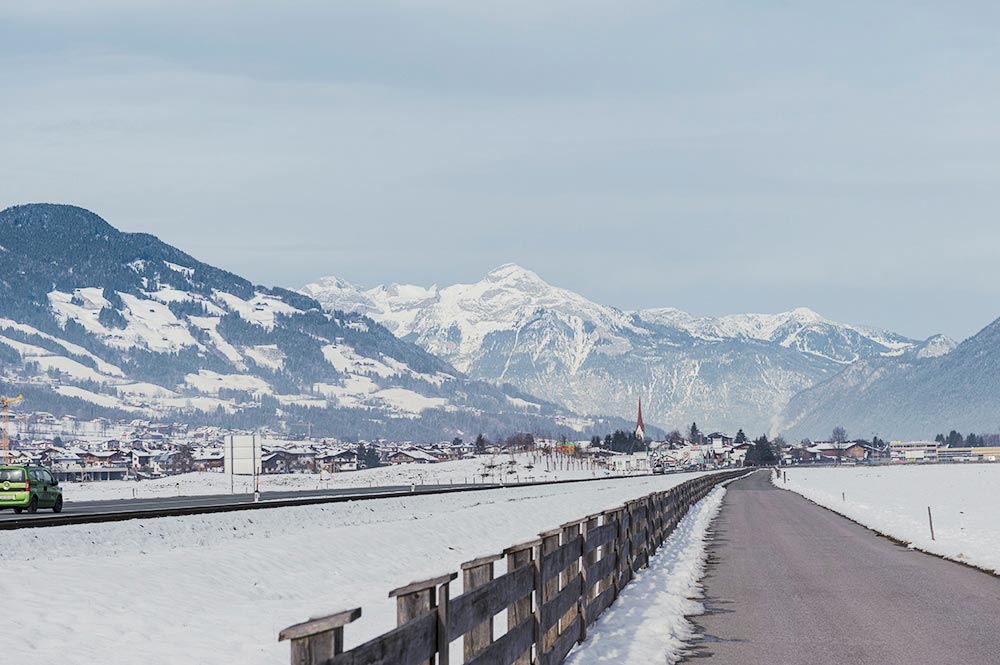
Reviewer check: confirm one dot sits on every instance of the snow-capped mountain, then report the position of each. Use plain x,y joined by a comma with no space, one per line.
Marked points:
96,321
512,327
914,396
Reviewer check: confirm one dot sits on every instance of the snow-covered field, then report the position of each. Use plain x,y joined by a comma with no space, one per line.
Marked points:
648,623
219,588
894,501
442,473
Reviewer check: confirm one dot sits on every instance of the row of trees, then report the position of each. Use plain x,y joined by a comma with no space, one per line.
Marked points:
971,440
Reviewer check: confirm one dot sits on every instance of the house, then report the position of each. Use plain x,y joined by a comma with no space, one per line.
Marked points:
209,459
277,461
335,462
141,460
719,441
411,455
832,450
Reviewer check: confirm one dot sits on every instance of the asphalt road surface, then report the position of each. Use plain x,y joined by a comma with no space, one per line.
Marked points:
119,506
789,582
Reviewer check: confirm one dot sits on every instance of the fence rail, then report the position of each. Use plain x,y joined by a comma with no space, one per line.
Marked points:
554,587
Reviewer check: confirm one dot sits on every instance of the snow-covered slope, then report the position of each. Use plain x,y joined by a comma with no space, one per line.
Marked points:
512,327
913,396
95,321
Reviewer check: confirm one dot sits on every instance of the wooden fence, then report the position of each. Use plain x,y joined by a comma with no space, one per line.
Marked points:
554,587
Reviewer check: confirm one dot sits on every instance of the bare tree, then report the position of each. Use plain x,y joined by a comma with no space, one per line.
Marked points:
839,434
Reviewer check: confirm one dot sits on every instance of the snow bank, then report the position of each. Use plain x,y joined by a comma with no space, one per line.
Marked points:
443,473
220,587
894,501
648,623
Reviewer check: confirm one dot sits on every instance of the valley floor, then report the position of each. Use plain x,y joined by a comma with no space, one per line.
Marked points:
483,468
894,500
189,589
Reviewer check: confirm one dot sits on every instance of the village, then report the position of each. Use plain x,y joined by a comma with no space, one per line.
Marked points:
99,449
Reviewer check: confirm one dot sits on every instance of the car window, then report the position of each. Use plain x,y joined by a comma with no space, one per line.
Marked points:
44,477
12,475
32,475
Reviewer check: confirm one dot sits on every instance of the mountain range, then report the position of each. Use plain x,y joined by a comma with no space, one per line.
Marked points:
94,321
729,372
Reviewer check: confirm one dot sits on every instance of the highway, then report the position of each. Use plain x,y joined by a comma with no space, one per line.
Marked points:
77,512
790,582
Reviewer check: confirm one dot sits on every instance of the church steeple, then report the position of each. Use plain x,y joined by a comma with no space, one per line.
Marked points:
640,431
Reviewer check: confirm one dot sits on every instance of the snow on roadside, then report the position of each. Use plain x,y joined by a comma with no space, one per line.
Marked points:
648,622
894,501
202,588
442,473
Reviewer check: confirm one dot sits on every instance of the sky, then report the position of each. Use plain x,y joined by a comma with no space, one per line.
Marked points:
719,157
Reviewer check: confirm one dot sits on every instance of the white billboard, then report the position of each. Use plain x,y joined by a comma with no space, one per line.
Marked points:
243,455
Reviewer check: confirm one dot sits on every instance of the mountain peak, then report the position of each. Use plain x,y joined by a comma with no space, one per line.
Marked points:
512,272
60,217
805,314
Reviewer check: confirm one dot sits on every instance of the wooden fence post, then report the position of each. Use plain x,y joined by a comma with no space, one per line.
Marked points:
475,574
318,640
547,589
570,531
418,598
517,557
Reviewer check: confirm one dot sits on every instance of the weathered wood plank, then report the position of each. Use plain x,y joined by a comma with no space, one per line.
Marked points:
601,569
571,532
600,536
481,604
413,642
548,587
562,645
480,635
414,587
561,558
509,648
319,624
520,610
600,603
554,609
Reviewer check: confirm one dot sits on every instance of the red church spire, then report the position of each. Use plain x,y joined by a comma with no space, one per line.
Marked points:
640,431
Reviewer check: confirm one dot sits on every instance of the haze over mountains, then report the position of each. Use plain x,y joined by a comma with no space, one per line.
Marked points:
727,372
94,321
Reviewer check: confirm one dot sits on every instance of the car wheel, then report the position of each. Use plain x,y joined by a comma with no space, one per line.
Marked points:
57,508
18,510
33,505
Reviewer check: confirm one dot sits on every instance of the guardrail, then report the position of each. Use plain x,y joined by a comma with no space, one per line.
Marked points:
554,587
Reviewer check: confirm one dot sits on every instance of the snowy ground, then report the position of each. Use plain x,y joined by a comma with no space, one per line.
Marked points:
648,623
459,471
894,501
194,589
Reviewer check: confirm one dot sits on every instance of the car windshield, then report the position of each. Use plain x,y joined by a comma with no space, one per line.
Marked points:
12,475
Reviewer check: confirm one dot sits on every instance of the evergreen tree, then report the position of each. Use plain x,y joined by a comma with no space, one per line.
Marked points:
741,437
695,434
480,445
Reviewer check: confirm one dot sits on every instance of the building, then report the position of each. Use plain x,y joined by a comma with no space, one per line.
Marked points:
968,454
914,451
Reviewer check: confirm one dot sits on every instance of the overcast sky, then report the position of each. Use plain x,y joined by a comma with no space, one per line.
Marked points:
719,157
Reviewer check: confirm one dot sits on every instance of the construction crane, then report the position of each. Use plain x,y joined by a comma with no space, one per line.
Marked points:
5,403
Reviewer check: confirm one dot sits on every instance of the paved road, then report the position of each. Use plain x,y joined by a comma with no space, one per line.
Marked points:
789,582
133,505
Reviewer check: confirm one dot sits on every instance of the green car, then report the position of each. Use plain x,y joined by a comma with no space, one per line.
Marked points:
29,487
